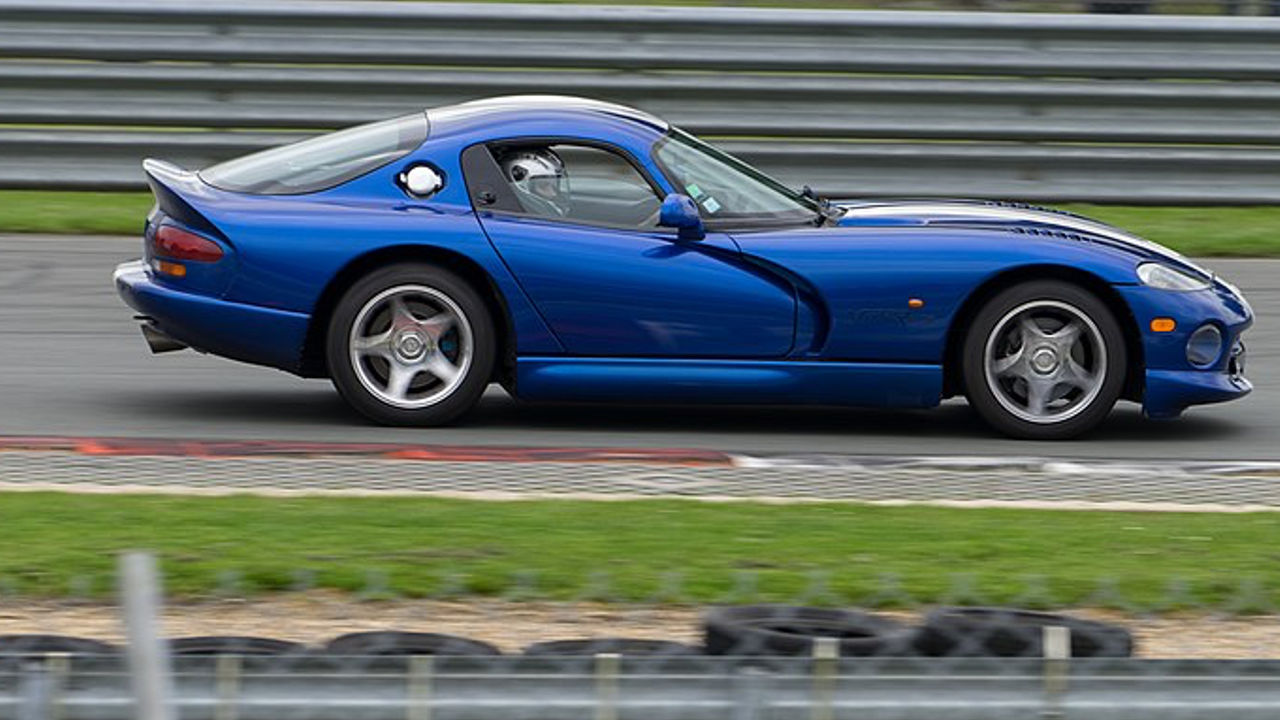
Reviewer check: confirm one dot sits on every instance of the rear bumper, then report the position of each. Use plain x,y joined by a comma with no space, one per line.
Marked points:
249,333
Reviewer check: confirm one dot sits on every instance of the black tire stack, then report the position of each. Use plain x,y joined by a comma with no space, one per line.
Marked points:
793,631
999,632
947,632
747,630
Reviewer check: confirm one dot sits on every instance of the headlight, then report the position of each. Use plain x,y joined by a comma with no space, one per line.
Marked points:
1164,277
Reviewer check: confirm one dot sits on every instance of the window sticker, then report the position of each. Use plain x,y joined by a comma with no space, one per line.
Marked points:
695,192
711,205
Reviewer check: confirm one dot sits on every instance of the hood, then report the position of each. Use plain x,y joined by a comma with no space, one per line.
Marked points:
1012,216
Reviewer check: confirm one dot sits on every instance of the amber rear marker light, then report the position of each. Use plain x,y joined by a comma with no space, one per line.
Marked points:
1163,325
171,268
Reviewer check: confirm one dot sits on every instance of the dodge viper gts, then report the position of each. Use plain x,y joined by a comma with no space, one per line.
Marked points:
576,250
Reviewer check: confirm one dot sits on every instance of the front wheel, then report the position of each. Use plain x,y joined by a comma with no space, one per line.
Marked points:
411,345
1044,360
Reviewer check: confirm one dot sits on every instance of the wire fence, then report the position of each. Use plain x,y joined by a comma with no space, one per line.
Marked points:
332,591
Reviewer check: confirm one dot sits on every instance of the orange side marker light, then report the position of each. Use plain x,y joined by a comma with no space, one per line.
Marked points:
915,303
1163,325
171,268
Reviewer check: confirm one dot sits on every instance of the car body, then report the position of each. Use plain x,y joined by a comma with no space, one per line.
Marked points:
861,302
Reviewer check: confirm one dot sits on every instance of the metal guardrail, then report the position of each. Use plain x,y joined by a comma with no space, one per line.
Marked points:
1049,107
639,688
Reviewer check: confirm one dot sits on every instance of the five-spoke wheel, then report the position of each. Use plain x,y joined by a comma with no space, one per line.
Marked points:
411,345
1044,360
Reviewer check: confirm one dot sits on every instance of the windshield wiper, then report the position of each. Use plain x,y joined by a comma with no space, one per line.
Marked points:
807,192
826,211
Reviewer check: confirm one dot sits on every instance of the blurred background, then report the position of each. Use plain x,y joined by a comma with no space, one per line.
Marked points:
1063,103
834,542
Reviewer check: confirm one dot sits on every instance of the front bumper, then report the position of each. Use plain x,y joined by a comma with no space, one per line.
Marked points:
249,333
1172,383
1169,392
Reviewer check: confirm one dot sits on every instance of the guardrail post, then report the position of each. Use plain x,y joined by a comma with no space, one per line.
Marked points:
57,668
421,674
35,693
148,656
1057,665
227,673
748,693
607,665
826,659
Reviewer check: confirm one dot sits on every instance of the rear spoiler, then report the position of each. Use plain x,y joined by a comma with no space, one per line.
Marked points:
180,194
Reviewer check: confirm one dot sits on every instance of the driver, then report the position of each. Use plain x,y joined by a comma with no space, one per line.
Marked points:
539,179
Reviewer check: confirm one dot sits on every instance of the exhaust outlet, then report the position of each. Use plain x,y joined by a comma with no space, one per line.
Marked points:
158,341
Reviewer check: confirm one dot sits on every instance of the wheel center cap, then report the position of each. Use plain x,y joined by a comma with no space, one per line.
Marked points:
411,346
1044,360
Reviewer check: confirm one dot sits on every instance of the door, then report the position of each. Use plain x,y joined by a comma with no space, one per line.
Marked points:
576,222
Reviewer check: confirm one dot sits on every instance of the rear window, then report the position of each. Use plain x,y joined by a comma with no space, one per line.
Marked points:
322,162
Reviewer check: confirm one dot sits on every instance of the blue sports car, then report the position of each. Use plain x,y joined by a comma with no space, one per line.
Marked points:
576,250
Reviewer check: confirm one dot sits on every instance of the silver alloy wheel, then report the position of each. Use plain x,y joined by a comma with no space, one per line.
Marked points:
1045,361
411,346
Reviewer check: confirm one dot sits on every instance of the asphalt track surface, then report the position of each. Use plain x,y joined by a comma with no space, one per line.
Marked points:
72,362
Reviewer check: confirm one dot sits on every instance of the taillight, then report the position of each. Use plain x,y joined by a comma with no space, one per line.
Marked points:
178,244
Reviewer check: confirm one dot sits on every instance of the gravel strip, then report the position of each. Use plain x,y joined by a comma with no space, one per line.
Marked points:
316,616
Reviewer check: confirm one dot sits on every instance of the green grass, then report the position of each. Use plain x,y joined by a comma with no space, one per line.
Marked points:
1200,231
107,213
52,544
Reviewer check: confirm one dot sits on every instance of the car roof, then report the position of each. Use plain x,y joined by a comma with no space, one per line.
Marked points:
520,109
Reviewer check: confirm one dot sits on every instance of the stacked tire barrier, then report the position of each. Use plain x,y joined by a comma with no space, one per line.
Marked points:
744,630
1137,109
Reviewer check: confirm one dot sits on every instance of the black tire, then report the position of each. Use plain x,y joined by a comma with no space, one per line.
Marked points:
233,645
474,380
620,646
784,630
42,644
995,632
982,397
390,643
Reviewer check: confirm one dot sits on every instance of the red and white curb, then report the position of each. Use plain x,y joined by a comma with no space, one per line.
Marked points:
288,468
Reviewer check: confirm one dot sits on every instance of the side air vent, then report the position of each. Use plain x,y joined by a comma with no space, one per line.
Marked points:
1014,205
1044,232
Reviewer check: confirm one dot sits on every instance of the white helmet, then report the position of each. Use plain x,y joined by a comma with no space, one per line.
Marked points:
539,180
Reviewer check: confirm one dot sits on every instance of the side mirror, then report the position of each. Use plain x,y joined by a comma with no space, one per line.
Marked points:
420,180
681,212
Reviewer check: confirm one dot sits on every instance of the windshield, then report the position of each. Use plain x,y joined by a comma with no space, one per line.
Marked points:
321,162
727,189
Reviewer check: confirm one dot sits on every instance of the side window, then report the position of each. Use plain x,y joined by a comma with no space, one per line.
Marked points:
578,183
322,162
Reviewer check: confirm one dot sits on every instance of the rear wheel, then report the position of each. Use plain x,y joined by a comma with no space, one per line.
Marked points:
1044,360
411,345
